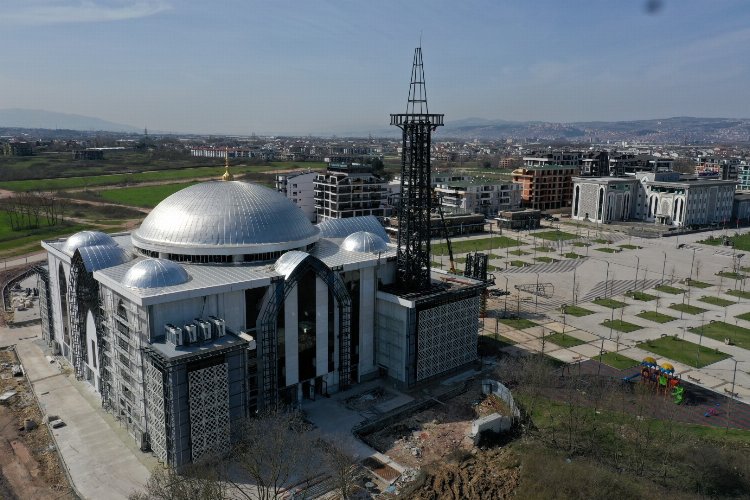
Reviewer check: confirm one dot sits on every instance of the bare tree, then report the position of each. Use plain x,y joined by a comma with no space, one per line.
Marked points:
193,482
342,467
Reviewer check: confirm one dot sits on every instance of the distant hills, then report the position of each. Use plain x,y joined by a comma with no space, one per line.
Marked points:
40,119
675,130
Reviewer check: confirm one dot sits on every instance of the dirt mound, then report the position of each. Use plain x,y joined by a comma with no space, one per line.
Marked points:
487,474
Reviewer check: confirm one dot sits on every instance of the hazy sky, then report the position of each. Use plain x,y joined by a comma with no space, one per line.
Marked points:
243,66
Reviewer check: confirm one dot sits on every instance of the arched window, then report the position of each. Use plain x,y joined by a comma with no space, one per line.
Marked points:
63,289
121,311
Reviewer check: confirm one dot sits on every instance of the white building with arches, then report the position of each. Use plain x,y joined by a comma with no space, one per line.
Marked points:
663,198
227,299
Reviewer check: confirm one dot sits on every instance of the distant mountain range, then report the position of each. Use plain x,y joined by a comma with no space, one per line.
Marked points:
675,130
40,119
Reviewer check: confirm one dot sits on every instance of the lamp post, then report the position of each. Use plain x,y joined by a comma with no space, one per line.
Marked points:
536,295
505,306
575,298
664,268
606,282
637,267
731,396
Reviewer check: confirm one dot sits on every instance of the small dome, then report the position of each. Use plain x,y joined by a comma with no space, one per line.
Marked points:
155,273
364,241
225,218
289,261
98,257
86,239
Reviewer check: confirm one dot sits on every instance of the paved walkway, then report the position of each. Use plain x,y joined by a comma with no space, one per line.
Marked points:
101,458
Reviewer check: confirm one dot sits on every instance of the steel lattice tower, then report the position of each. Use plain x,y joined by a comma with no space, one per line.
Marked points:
417,124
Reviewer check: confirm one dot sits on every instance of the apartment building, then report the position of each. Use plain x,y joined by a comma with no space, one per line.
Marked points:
299,188
546,186
475,197
349,190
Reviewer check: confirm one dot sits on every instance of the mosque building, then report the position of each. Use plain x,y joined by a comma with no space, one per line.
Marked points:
227,300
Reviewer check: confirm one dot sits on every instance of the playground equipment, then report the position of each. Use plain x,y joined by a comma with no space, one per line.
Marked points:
662,378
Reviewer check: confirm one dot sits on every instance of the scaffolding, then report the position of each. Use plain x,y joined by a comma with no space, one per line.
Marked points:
83,291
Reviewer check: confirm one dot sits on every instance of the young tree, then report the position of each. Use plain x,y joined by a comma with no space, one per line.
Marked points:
194,482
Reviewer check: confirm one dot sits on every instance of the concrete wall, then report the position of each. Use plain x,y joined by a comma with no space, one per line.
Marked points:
392,324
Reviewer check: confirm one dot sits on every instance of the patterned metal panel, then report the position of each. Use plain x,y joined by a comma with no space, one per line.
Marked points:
102,256
209,410
155,273
156,416
341,228
447,337
225,218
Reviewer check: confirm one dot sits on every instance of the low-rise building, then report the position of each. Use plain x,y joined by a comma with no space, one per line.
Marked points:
519,219
17,148
661,197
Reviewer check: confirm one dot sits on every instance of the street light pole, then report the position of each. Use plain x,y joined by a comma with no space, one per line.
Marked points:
606,282
505,306
536,296
574,286
637,267
664,268
731,396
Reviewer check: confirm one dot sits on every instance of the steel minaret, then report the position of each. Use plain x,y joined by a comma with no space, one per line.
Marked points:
417,124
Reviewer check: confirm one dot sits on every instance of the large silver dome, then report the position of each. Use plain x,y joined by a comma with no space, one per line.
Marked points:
155,273
225,218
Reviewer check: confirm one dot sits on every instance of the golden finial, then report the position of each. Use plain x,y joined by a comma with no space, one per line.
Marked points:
227,174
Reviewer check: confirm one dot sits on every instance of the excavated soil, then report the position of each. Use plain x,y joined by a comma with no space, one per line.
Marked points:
492,474
431,435
29,465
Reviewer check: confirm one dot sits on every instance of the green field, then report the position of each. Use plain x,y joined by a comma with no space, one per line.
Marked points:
740,242
683,351
138,177
518,263
642,296
630,247
719,330
620,325
518,252
687,308
472,245
745,316
517,323
142,196
28,240
555,235
611,303
731,275
545,259
656,316
608,250
717,301
544,249
617,360
742,294
669,289
563,340
573,255
577,311
696,283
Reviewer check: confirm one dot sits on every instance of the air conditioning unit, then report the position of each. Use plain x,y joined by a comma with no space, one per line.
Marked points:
191,333
219,326
174,334
204,329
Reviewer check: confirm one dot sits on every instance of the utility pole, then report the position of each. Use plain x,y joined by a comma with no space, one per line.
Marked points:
664,268
731,396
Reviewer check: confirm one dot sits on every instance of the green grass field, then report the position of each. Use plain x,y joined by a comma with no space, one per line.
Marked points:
573,255
620,325
555,235
717,301
719,330
696,283
683,351
577,311
745,316
518,263
517,323
611,303
628,246
617,360
607,250
14,243
687,308
642,296
669,289
602,241
479,244
139,177
656,316
518,252
545,259
741,294
741,242
563,340
544,249
142,196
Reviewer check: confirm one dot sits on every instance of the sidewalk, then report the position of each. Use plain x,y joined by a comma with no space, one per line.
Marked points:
101,458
